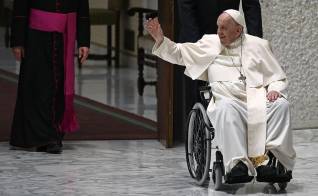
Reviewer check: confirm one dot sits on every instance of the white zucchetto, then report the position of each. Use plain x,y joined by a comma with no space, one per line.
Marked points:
236,15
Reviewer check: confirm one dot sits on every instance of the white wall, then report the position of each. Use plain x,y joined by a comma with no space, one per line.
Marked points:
292,28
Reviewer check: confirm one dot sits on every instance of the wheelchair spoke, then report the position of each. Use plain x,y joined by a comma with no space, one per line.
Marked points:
198,147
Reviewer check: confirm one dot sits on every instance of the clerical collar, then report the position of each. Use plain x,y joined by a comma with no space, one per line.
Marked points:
237,42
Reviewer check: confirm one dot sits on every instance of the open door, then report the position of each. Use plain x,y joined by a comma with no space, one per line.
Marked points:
165,77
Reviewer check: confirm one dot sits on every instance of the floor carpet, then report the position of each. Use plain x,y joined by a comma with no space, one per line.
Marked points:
97,121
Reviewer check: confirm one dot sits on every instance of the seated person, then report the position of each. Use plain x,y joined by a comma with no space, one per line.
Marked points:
249,109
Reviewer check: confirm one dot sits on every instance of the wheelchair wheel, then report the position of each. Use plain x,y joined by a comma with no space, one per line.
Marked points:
217,177
282,185
198,145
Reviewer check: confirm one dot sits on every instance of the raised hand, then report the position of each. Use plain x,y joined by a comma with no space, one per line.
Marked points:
154,29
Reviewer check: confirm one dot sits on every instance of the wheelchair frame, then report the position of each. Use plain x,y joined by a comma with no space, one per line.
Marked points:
199,137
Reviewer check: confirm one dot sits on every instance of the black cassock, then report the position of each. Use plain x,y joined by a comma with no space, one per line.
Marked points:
40,98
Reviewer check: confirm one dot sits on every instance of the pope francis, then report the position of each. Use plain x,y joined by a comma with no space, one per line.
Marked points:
249,109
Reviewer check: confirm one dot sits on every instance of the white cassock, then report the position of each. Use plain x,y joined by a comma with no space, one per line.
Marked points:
246,124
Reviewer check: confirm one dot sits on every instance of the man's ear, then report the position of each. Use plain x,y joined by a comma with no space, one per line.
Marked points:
240,30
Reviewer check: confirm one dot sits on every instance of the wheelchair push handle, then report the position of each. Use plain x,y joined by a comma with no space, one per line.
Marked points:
204,88
205,94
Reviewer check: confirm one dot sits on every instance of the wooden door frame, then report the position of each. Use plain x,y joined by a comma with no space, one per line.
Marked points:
165,77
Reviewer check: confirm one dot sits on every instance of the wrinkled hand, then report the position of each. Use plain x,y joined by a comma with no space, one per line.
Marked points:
83,53
273,95
18,53
154,29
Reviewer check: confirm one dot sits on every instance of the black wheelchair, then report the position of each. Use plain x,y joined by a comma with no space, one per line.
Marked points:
198,145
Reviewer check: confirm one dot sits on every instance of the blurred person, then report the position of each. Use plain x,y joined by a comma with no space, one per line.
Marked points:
43,38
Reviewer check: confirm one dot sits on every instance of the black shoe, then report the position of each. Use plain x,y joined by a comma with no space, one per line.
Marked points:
60,143
50,148
54,149
272,174
61,137
283,175
238,174
41,148
274,171
265,173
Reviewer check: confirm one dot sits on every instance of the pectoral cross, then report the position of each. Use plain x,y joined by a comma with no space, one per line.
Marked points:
242,78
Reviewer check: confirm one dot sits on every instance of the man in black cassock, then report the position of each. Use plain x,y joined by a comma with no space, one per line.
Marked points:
40,104
196,18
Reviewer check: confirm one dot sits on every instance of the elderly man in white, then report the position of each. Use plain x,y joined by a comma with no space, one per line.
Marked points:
249,110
